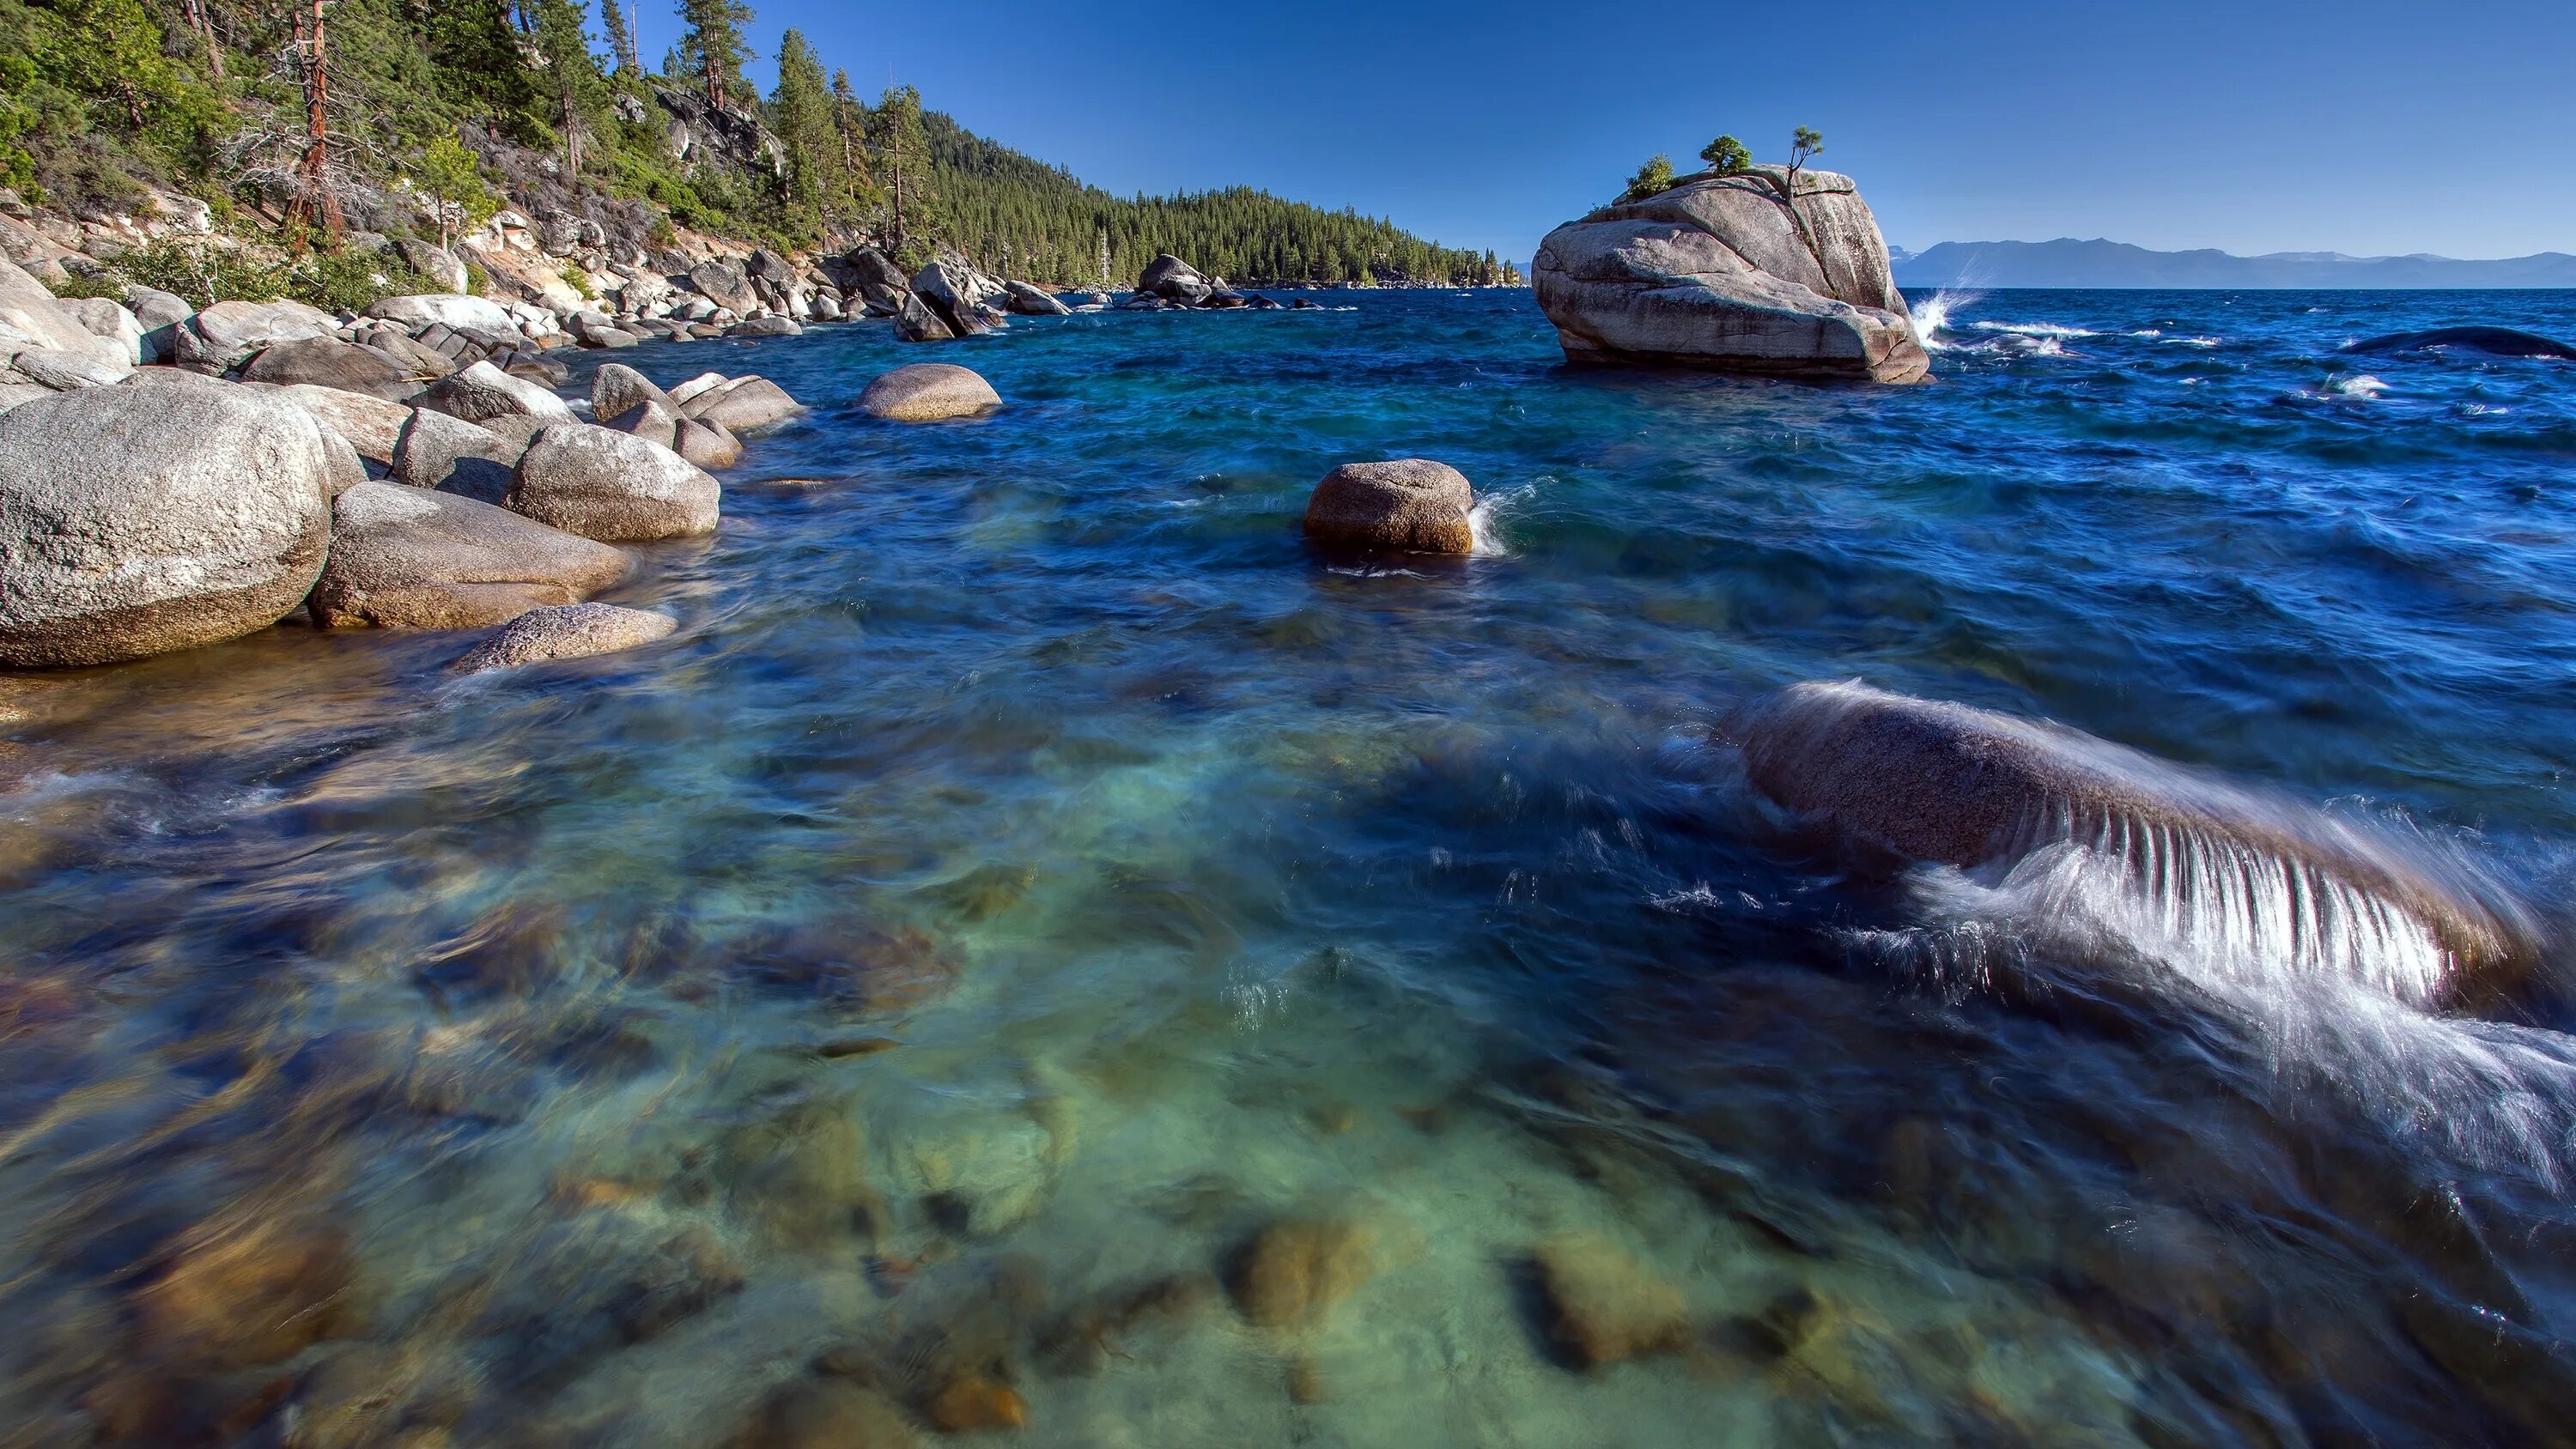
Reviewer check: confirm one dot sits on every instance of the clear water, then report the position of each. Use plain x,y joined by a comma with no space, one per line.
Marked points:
1029,872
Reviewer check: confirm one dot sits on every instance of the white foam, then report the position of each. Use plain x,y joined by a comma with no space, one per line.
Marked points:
1485,520
1931,317
2360,385
2034,329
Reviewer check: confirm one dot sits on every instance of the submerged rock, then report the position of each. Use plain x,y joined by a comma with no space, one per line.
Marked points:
608,485
1295,1269
569,631
247,1294
797,1176
1944,782
135,521
827,1413
1727,272
972,1401
1412,504
928,392
418,559
2494,341
1604,1306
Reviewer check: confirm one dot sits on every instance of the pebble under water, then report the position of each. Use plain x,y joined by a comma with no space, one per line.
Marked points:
1042,955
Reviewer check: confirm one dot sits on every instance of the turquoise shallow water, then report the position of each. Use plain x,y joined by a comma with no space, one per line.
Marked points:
1030,874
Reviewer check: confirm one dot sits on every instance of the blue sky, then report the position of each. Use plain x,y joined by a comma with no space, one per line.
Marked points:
2364,127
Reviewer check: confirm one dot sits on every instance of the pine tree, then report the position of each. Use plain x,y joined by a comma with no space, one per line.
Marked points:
713,49
903,153
850,134
621,37
800,110
575,89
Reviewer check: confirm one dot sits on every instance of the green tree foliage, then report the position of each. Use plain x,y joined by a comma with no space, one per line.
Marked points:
452,179
712,49
990,197
1804,144
620,34
900,138
576,91
433,91
800,111
1653,177
1727,156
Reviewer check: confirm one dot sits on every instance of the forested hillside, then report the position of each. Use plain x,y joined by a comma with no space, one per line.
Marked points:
308,120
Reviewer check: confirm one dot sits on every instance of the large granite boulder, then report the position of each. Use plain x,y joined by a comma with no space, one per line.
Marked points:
483,391
1031,300
455,456
411,558
877,282
924,392
958,295
30,316
139,520
111,320
1930,781
611,486
221,337
743,404
565,631
329,362
724,283
915,322
1174,280
460,313
1726,272
372,425
432,261
1412,505
52,367
616,390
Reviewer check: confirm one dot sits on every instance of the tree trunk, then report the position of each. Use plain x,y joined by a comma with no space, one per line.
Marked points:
206,36
317,199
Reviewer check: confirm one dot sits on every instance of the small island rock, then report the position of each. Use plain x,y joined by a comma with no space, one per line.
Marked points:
928,392
1731,273
1411,504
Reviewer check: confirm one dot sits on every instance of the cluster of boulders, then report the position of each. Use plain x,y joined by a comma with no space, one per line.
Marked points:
1169,284
280,459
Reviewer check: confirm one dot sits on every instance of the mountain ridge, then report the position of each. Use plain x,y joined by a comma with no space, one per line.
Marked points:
2101,263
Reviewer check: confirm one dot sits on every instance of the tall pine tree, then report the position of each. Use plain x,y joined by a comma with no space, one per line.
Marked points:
800,110
621,36
576,92
713,50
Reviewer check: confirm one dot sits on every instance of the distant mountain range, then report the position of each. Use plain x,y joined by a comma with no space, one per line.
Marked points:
2067,262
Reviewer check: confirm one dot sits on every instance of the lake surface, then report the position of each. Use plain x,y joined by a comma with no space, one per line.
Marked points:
1030,877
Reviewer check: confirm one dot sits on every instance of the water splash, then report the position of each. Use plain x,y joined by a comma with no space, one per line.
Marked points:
1485,519
1932,316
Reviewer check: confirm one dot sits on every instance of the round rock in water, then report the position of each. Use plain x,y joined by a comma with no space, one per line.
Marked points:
612,486
1411,504
569,631
926,392
139,520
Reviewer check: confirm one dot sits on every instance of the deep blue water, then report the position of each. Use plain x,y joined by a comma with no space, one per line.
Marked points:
1151,877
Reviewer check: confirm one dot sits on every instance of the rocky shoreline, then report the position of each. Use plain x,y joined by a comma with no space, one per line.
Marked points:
172,477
